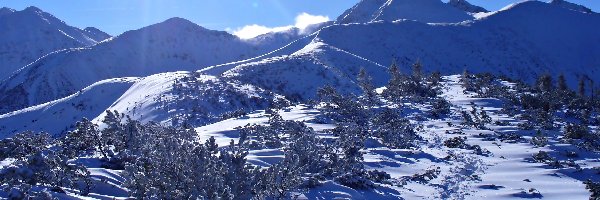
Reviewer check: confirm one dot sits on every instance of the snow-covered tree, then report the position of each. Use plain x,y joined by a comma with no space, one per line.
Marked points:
393,130
544,83
369,96
85,138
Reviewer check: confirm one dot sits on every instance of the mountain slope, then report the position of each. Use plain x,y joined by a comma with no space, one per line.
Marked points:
298,76
96,34
522,41
466,6
173,45
32,33
188,97
571,6
58,116
433,11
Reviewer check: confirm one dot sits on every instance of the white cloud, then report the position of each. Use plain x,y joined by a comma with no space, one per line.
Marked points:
303,20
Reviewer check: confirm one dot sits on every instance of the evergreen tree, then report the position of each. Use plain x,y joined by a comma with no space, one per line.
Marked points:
562,83
393,90
544,83
365,83
85,137
417,71
581,87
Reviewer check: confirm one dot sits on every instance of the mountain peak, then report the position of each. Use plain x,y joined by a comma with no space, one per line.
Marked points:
179,21
466,6
428,11
571,6
96,34
33,9
5,10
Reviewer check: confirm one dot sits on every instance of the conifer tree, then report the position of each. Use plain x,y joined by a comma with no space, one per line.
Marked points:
544,83
393,90
582,87
365,83
562,83
417,71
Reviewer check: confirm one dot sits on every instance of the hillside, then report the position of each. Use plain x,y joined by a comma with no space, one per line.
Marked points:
174,45
32,33
502,43
428,11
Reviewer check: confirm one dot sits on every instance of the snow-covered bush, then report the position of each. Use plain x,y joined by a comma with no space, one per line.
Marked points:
85,138
439,107
415,87
47,169
340,108
575,131
476,118
539,140
24,144
594,188
393,130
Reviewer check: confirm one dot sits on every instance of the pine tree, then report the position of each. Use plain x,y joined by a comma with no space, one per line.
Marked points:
562,83
544,83
365,83
582,87
393,90
417,71
85,137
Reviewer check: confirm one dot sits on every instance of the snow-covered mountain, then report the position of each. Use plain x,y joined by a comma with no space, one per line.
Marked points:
466,6
32,33
59,115
6,11
173,45
522,41
571,6
96,34
434,11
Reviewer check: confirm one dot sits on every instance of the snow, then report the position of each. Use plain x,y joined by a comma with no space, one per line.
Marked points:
507,173
177,71
173,45
429,11
571,6
58,116
467,7
31,33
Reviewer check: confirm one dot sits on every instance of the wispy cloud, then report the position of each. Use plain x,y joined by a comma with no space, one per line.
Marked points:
303,20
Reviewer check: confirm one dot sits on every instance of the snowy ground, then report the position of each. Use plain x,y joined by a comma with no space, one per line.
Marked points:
507,171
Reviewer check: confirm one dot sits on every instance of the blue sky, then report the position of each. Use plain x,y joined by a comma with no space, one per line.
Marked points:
117,16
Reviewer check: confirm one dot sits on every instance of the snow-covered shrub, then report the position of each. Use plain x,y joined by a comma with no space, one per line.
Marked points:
394,130
542,157
233,114
414,87
24,144
539,140
476,118
340,108
85,138
575,131
279,180
439,107
425,177
510,137
355,180
172,165
48,169
456,142
369,96
594,188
